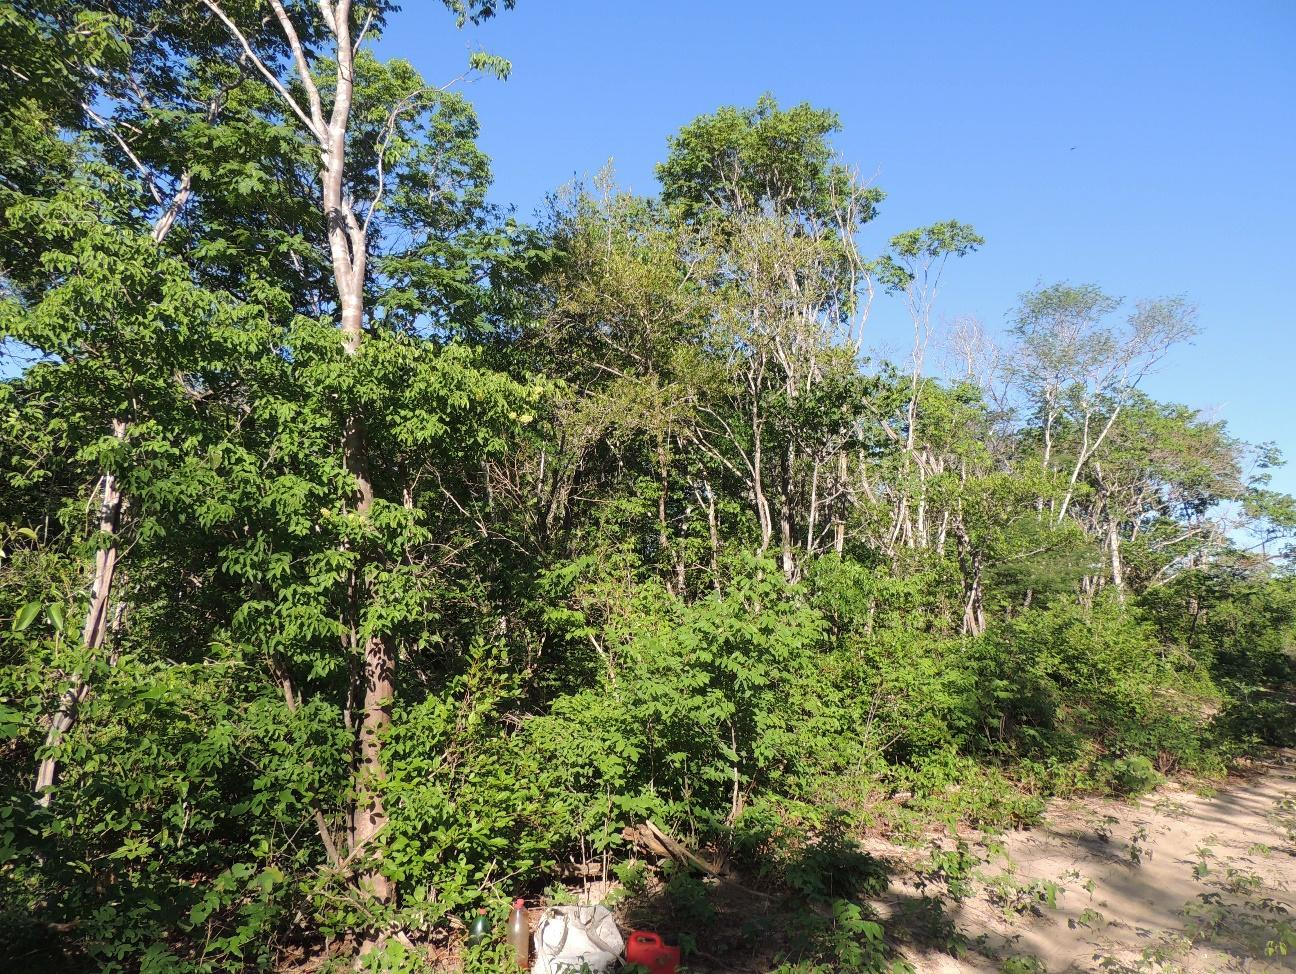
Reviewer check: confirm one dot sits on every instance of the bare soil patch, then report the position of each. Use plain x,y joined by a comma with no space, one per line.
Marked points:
1182,880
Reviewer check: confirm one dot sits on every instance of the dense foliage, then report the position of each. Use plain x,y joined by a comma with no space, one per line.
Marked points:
369,556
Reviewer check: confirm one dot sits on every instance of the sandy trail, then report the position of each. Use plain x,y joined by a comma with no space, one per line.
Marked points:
1179,881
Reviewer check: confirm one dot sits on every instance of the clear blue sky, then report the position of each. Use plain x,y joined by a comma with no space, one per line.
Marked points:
1182,116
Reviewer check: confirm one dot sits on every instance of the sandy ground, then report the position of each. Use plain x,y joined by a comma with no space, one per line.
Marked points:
1180,881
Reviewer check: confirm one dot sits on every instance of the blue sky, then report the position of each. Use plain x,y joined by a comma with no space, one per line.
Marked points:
1182,116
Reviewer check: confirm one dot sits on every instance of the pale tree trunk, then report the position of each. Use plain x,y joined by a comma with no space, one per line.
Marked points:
786,540
970,563
1088,588
973,609
735,798
812,515
1047,460
679,583
93,632
95,628
839,523
348,251
706,498
1113,534
1086,453
1195,610
1117,565
896,532
663,494
904,516
758,493
920,528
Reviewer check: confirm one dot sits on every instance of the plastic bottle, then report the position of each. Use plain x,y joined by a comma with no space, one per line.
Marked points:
479,928
519,934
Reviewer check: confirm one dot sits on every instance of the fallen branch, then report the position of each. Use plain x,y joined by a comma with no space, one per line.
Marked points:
652,838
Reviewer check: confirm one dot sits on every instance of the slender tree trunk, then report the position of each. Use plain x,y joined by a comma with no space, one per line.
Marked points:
970,563
786,539
811,517
677,585
1047,460
1110,515
1087,451
348,249
735,798
973,608
95,627
1114,548
1194,610
920,528
93,632
839,522
706,497
758,493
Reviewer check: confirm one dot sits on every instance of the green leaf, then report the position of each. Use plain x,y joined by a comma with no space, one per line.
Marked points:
491,64
26,616
54,611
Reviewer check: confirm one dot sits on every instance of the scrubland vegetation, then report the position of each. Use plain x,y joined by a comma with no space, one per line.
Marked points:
371,555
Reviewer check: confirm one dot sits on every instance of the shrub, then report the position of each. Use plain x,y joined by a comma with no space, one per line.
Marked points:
1134,775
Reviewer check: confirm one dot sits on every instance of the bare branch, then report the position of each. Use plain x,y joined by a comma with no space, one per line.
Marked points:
269,75
326,11
108,129
167,220
299,58
389,128
363,30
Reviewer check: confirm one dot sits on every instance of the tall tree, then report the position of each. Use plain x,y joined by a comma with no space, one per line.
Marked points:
314,68
1073,363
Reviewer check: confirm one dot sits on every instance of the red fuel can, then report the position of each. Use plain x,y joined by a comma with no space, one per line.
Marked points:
647,949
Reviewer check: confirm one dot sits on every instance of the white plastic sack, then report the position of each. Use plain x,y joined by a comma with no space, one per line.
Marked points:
571,939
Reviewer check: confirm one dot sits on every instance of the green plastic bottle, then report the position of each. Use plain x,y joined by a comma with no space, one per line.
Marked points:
479,928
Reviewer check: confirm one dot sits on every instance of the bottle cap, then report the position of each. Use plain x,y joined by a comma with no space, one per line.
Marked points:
518,904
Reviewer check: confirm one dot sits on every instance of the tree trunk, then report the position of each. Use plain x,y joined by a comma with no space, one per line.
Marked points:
95,628
758,494
1113,539
786,540
348,250
1114,548
706,497
812,520
970,564
93,632
839,522
678,584
973,609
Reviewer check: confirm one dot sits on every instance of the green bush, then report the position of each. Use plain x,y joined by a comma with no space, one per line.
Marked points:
1067,677
1134,775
